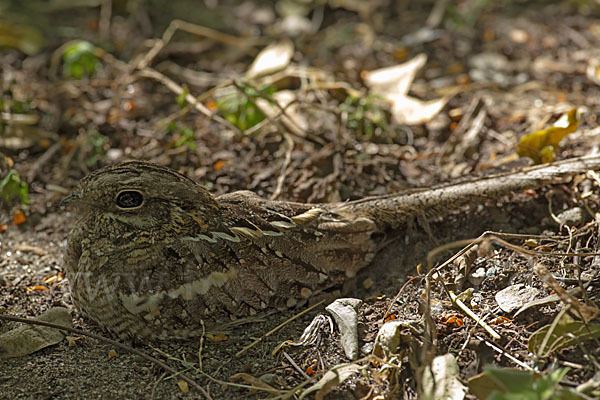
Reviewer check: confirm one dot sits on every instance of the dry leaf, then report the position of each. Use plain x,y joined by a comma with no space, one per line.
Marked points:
218,337
411,111
331,380
218,165
271,59
19,217
27,39
393,84
72,340
27,338
515,296
396,79
540,146
442,380
293,117
183,386
251,380
50,279
36,288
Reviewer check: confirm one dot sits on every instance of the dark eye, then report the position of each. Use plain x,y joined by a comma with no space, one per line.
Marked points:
129,199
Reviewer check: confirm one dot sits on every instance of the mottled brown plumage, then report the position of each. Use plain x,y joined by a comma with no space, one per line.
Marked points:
154,253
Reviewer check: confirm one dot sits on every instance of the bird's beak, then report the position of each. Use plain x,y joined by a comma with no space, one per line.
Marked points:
71,197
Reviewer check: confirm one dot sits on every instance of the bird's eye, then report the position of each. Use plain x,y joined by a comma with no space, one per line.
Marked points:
129,199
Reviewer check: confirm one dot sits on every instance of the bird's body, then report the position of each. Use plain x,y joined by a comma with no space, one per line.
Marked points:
182,256
155,254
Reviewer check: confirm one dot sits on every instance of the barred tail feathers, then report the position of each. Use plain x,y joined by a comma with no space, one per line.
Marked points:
394,210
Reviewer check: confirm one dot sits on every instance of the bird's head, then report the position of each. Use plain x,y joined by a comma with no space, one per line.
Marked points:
142,195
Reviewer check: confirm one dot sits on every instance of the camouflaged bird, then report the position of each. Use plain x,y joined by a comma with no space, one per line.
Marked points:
154,254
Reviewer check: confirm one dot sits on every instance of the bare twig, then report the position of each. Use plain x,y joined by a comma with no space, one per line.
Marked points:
295,365
460,304
43,159
163,123
284,166
497,348
105,16
175,25
436,16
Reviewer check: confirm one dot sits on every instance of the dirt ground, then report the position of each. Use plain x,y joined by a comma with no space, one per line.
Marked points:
503,71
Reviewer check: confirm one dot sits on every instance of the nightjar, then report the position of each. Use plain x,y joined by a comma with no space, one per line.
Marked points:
155,254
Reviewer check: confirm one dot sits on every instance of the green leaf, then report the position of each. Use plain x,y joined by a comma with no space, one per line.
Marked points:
93,147
80,60
366,115
240,109
185,135
180,100
528,385
565,334
511,380
12,188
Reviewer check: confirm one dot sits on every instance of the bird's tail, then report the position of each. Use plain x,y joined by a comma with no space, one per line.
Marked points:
395,209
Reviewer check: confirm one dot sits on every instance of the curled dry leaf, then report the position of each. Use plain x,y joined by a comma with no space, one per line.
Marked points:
411,111
541,146
441,381
393,84
395,79
292,117
271,59
344,311
332,378
396,335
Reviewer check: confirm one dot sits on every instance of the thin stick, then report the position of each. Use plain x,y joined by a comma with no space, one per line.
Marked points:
291,361
284,166
471,314
178,24
505,353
